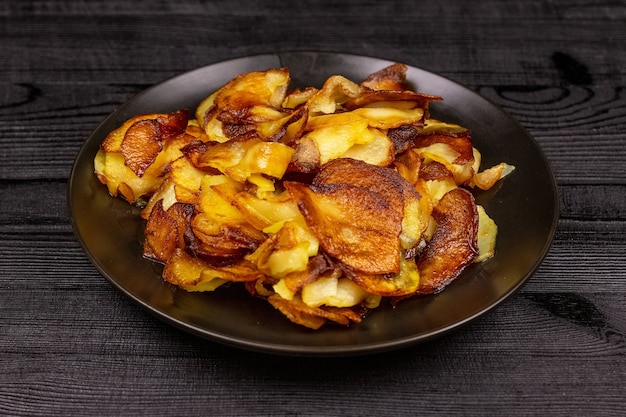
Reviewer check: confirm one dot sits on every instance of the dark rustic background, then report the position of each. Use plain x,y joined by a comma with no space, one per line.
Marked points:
71,344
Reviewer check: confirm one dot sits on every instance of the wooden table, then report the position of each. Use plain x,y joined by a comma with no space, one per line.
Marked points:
71,344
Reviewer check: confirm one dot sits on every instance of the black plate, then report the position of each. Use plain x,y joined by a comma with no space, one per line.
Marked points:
524,206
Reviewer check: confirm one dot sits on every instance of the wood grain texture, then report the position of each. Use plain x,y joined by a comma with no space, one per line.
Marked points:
70,344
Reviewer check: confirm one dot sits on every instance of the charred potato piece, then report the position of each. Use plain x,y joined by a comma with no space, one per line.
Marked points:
454,245
165,230
353,224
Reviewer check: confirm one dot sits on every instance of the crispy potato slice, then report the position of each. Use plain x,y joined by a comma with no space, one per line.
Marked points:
396,99
385,182
488,178
353,224
193,274
455,152
454,244
219,232
318,266
298,97
403,137
250,98
408,165
221,243
240,160
256,88
298,314
143,140
286,251
336,134
262,213
166,193
267,158
402,197
165,134
333,291
312,317
335,91
487,234
389,117
434,126
165,230
187,180
405,282
114,139
408,136
392,77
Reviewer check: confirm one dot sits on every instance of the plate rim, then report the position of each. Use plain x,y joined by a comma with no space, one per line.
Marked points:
305,350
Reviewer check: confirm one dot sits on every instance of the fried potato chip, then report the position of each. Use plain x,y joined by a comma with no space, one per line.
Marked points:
454,243
405,282
395,99
487,178
392,77
390,185
193,274
165,230
312,317
335,91
143,140
353,224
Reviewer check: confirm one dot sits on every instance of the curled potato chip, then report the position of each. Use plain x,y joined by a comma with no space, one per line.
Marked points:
454,244
143,140
312,317
165,230
335,91
392,77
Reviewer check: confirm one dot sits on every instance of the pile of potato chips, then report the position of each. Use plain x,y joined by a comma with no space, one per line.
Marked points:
320,200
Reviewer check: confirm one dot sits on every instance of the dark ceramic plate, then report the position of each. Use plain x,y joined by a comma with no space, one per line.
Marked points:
524,206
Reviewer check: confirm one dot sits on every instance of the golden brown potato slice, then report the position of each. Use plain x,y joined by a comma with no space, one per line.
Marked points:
306,158
317,266
397,99
298,97
247,100
454,244
357,226
312,317
456,152
385,182
165,230
394,189
390,117
247,96
221,243
143,140
392,77
487,178
114,139
261,212
335,91
405,282
193,274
